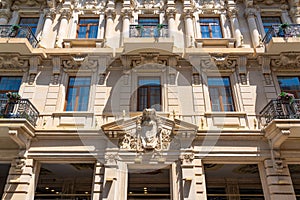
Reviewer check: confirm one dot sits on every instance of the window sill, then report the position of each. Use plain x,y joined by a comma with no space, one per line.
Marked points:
83,43
227,119
215,42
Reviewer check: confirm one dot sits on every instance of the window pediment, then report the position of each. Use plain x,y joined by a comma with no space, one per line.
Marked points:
148,132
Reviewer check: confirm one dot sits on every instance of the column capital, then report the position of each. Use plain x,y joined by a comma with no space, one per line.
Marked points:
50,14
170,12
232,12
126,12
188,12
5,13
250,12
110,13
65,14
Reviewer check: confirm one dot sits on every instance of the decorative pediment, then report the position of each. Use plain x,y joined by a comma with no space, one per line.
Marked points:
13,63
148,132
286,61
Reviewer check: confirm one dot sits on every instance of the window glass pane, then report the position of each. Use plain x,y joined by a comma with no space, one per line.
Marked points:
210,28
82,32
269,21
220,94
148,21
149,81
10,83
78,94
289,84
31,22
93,31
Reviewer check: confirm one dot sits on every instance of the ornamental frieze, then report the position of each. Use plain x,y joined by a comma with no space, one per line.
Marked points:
19,4
79,62
286,61
13,63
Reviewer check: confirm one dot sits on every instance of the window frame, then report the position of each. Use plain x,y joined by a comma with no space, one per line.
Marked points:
265,29
77,96
148,87
87,34
30,25
210,27
221,104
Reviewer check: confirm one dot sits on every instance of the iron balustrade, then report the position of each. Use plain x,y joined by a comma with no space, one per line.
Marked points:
290,30
280,109
14,31
21,108
148,30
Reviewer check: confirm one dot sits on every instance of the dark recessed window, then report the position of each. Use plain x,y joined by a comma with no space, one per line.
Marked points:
149,93
220,94
30,22
269,21
78,94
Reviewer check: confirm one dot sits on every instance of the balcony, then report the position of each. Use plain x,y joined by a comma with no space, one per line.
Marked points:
15,39
146,31
282,38
148,37
22,108
281,122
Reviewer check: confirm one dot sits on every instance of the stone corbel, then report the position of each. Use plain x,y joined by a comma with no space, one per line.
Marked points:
111,159
13,63
103,63
34,62
275,144
15,136
196,77
56,69
172,75
266,70
242,69
187,158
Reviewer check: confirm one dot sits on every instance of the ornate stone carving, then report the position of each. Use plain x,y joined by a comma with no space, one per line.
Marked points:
149,134
50,14
80,62
18,4
148,127
5,4
111,158
129,62
65,13
222,62
187,158
13,63
286,60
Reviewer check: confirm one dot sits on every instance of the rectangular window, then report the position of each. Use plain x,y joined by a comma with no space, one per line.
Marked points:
220,94
9,84
290,84
78,94
88,28
210,27
30,22
148,26
269,21
149,93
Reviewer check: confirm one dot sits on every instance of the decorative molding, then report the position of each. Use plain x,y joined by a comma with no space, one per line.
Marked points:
20,4
111,158
222,62
50,14
289,60
34,63
242,69
80,63
187,158
5,13
13,62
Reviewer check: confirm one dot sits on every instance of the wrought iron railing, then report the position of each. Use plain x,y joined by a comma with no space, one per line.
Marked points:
280,109
15,31
148,30
283,30
21,108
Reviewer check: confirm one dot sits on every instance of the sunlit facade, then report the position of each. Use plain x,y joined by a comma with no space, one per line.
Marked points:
131,100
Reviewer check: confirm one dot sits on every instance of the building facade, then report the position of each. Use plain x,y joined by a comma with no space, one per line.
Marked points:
148,99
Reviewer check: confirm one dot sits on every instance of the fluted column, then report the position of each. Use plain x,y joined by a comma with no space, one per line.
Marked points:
171,21
101,25
285,15
235,27
109,29
50,15
189,28
63,27
250,14
126,22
